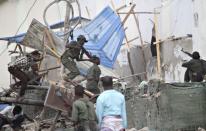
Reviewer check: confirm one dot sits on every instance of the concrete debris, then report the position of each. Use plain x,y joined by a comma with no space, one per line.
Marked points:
144,129
132,129
167,107
201,129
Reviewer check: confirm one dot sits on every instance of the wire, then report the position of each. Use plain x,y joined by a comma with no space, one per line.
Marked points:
26,16
21,25
49,5
59,12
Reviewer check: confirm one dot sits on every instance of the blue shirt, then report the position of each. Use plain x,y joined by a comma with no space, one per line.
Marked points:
110,103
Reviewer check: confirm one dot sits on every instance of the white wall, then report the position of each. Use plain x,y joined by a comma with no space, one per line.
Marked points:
199,30
176,18
181,17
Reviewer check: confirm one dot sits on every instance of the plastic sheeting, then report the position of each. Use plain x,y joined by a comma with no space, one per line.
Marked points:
19,38
105,35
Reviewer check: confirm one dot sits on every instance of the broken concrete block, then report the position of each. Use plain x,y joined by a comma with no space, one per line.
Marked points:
144,129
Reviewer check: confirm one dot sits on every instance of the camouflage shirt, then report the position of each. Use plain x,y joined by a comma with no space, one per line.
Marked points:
73,51
93,75
83,110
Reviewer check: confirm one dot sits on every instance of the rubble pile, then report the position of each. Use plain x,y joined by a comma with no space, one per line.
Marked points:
177,106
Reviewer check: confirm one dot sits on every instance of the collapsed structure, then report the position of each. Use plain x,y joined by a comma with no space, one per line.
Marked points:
161,106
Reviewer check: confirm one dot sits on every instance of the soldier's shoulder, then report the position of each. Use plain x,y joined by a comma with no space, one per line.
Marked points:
97,68
77,103
73,42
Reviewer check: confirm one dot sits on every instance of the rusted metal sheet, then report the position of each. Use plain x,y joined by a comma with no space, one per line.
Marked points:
59,98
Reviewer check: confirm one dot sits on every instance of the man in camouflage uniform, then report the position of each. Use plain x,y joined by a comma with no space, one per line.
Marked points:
83,112
195,68
93,75
74,50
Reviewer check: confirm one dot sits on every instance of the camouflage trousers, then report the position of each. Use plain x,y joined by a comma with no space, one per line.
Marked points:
72,67
86,126
82,126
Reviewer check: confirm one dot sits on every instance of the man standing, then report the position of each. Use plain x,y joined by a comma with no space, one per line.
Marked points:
195,68
110,108
93,75
74,50
83,112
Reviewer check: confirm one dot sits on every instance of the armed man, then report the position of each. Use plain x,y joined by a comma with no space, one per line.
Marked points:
93,76
74,50
195,68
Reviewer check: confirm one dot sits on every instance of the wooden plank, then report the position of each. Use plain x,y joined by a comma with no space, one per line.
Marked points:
157,45
51,41
127,16
133,39
88,13
139,12
141,41
120,8
128,46
129,56
127,42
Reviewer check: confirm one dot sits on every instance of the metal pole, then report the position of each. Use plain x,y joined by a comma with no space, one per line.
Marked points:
128,14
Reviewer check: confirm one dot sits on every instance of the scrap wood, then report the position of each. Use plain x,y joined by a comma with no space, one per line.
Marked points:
52,68
86,92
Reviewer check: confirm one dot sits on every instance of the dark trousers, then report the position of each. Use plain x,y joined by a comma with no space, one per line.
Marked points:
194,77
187,76
22,76
3,121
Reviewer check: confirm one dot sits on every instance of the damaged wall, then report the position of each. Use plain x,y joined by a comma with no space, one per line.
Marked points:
172,58
137,61
176,18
